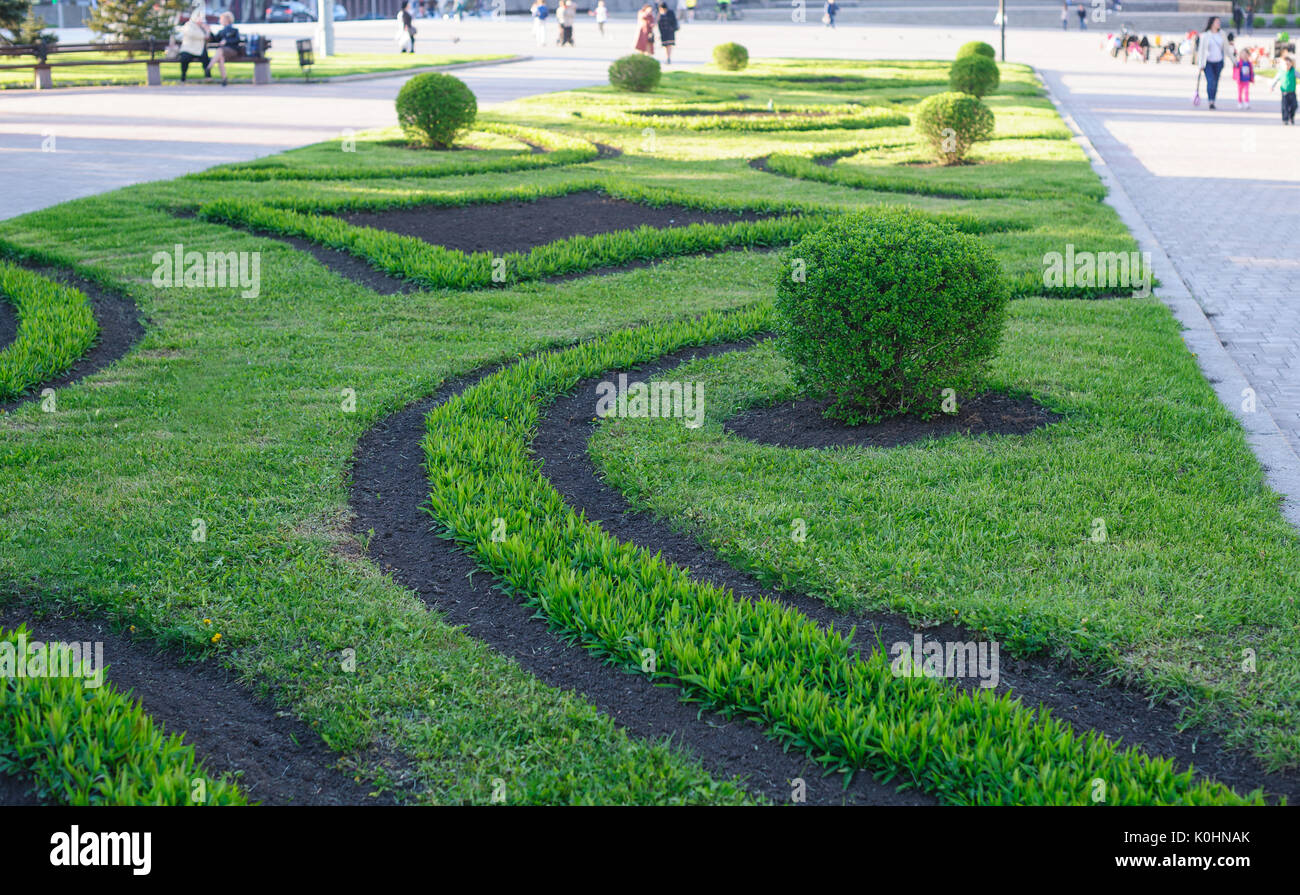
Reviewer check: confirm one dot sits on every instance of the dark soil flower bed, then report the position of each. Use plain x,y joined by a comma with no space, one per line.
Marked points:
503,227
801,424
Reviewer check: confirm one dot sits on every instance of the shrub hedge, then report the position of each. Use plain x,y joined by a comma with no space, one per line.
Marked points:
882,312
730,57
977,75
637,73
951,123
434,108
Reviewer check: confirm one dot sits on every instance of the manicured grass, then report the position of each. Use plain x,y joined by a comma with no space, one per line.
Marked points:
998,532
755,659
491,147
55,327
231,409
81,745
284,67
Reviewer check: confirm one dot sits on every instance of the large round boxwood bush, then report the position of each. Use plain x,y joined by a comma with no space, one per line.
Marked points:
433,109
977,75
951,122
638,73
977,48
730,56
882,311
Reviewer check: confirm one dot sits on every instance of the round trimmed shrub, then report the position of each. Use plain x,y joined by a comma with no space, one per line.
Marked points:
638,73
730,56
977,48
1278,22
433,109
881,312
951,123
977,75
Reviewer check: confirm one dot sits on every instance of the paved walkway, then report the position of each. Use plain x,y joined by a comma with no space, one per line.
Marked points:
1214,195
1219,194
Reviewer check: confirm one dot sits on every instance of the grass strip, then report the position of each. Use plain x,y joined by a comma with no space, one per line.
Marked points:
561,149
754,659
95,745
55,327
806,169
435,267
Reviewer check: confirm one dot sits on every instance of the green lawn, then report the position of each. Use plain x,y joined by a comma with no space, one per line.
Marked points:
998,531
229,410
284,67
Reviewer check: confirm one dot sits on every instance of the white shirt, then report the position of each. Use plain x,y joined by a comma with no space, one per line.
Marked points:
1213,46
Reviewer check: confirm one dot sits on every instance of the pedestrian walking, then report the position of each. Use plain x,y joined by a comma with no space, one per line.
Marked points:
406,29
1244,74
1238,16
1211,53
828,16
1083,26
540,11
645,31
1250,19
690,10
602,16
667,30
566,14
1065,16
1286,80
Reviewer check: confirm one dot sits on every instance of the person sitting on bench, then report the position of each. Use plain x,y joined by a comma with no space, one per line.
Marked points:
227,41
194,42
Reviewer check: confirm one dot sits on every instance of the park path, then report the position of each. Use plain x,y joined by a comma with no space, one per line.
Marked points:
1218,194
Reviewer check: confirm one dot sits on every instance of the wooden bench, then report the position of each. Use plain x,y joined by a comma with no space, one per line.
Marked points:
156,51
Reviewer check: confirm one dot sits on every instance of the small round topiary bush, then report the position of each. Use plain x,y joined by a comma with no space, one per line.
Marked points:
730,56
977,75
977,48
638,73
1278,22
433,109
881,312
951,123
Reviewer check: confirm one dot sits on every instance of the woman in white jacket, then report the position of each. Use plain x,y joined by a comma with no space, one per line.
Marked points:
1212,53
194,41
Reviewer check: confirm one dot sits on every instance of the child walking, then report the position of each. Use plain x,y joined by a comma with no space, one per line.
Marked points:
1286,80
1244,74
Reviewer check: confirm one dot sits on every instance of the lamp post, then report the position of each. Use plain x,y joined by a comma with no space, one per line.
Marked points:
325,27
1002,18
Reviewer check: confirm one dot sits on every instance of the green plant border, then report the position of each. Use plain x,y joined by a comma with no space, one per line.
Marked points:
436,267
802,168
56,326
752,659
860,118
561,149
96,746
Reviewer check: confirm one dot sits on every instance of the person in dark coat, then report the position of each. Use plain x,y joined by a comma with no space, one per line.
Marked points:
667,30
